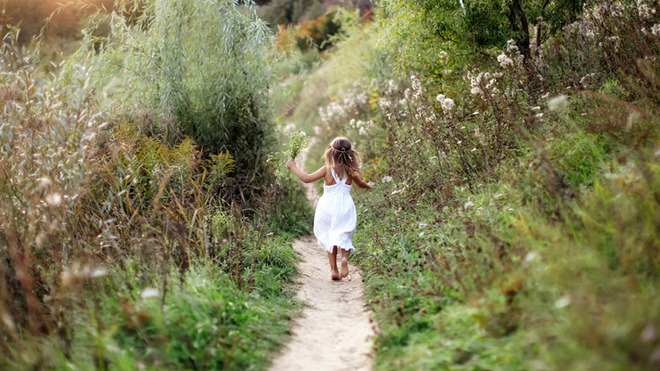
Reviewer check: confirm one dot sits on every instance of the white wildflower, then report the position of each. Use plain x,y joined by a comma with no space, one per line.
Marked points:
558,103
491,83
644,11
655,30
54,199
44,182
504,60
416,84
387,179
384,103
447,105
440,97
511,46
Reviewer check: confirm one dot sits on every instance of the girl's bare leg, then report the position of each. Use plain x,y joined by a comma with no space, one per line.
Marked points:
344,263
332,256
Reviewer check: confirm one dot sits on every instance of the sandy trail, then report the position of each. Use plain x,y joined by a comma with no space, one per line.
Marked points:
334,331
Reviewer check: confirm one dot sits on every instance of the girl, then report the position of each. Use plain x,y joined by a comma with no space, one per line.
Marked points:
335,218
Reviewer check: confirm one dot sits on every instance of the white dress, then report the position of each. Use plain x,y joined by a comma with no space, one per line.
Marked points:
335,218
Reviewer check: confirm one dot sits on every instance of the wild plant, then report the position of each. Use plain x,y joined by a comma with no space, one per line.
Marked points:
47,129
207,82
297,142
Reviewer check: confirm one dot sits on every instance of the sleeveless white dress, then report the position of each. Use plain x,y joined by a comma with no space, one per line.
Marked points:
335,218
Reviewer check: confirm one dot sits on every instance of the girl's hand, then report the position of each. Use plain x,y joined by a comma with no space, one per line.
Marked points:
371,185
290,164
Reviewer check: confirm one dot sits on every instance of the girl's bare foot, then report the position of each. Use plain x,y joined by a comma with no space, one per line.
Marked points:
344,267
344,263
332,256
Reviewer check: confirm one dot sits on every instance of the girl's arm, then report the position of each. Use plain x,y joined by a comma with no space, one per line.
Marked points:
362,184
306,178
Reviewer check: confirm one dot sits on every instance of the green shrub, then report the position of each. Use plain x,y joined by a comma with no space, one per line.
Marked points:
198,69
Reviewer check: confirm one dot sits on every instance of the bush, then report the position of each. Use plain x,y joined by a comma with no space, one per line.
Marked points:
198,69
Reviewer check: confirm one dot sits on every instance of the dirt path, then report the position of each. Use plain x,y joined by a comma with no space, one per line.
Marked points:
334,332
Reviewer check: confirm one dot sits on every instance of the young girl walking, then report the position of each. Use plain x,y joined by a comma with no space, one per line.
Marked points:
335,218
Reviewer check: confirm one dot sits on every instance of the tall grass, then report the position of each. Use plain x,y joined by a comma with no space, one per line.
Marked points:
122,246
196,69
514,226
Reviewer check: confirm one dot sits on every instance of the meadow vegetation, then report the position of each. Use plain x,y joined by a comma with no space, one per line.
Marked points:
141,226
146,220
515,225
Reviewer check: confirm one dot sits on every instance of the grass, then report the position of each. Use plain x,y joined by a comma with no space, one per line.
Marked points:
199,320
504,234
122,248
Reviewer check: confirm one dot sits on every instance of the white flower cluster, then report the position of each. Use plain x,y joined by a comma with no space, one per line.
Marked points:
348,105
416,89
361,126
483,84
583,28
602,10
391,87
446,103
645,10
504,60
558,103
511,58
655,30
332,110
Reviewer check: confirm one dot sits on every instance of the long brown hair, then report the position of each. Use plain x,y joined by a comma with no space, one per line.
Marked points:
341,156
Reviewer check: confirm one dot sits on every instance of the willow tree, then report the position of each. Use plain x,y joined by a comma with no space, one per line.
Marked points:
199,69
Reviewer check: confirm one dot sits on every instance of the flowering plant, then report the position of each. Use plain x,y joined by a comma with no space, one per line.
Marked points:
297,141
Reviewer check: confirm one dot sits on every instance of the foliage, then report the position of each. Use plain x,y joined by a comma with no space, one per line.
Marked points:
297,142
278,13
100,214
43,173
416,33
158,71
513,227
